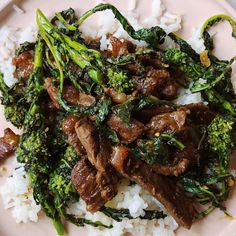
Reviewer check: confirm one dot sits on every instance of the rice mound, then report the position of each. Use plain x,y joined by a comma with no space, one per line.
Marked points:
17,196
17,193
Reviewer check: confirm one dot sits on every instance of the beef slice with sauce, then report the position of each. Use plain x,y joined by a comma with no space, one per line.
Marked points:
68,127
154,79
70,94
8,143
200,113
98,154
144,115
173,121
24,64
161,187
97,148
127,132
94,187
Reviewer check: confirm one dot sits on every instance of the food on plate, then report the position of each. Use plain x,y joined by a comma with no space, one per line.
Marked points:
95,118
8,143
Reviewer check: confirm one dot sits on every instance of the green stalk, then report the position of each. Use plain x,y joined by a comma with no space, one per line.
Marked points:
59,227
78,53
217,18
38,58
65,23
171,140
220,101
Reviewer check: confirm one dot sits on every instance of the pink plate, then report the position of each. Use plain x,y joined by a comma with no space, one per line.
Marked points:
194,13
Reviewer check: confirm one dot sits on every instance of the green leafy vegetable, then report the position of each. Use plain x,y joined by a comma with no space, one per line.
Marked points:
120,214
24,47
156,150
125,110
220,102
153,36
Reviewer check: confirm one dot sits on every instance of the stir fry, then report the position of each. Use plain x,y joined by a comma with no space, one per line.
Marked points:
91,118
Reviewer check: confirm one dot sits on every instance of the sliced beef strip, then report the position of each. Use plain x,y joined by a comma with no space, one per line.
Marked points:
8,143
94,187
127,133
200,113
24,64
144,115
71,95
52,92
74,97
97,148
68,127
153,80
149,60
161,187
173,121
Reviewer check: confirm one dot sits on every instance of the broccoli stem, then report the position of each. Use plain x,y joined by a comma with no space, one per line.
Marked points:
78,53
171,140
38,55
64,22
220,101
58,226
217,18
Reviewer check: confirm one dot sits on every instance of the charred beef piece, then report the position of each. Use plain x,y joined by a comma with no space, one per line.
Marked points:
97,148
127,133
24,64
173,121
68,127
200,113
161,187
8,143
147,113
70,94
95,188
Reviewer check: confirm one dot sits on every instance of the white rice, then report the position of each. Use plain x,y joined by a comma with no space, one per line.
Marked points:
136,200
17,196
17,193
108,24
196,41
9,41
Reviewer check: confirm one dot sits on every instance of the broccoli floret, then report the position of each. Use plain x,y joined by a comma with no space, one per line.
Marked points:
33,151
15,114
14,111
119,81
220,137
60,180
